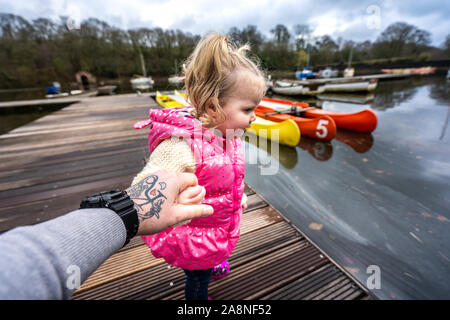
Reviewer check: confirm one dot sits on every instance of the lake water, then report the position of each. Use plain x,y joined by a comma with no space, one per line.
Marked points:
380,199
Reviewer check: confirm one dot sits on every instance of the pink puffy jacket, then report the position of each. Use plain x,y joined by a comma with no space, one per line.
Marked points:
204,242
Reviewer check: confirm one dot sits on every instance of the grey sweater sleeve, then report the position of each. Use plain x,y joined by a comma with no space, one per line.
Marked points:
49,260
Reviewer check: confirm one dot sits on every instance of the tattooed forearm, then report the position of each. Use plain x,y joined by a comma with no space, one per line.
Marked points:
148,197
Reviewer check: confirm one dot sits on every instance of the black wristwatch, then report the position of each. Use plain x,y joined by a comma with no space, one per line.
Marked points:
119,202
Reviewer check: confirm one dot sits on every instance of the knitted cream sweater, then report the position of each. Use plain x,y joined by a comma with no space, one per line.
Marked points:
173,155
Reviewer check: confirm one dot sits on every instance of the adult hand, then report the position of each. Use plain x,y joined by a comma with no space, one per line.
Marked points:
163,199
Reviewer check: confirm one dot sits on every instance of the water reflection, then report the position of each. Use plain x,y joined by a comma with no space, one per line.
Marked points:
285,155
440,91
361,142
392,93
320,150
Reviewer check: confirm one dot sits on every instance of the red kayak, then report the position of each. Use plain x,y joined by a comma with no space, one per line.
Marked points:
363,121
322,127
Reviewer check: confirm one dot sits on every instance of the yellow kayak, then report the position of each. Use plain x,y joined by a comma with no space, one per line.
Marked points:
166,101
178,93
288,132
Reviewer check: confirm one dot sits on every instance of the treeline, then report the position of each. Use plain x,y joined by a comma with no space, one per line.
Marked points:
34,53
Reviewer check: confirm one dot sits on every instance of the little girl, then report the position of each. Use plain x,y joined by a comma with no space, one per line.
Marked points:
224,87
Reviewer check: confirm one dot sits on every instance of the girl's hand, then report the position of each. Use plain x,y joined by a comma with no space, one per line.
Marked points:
244,206
163,199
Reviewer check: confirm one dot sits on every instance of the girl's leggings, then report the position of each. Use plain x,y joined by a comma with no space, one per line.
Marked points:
197,282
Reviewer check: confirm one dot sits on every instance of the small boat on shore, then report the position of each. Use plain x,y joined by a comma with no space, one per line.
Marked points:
349,72
106,90
306,73
297,88
53,91
176,80
57,95
142,83
363,121
328,73
319,86
350,85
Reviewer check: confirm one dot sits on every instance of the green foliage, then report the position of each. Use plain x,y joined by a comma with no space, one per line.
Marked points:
33,54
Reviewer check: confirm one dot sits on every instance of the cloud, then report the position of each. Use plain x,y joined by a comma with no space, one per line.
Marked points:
345,18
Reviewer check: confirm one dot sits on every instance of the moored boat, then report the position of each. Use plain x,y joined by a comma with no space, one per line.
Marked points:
363,121
306,73
176,79
349,72
296,88
322,128
318,86
350,85
142,83
328,73
106,90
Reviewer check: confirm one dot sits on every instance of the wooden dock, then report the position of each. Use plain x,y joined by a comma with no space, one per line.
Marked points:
50,101
48,165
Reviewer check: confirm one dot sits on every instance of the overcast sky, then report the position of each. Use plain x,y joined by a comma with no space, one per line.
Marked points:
356,20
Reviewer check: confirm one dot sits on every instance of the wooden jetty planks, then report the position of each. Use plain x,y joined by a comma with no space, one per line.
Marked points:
120,264
270,262
250,244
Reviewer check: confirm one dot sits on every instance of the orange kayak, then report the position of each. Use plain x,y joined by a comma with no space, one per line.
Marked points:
322,127
363,121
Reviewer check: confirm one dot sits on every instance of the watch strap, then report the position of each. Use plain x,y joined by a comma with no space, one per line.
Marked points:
121,204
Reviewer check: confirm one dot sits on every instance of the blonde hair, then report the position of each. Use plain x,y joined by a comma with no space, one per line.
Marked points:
210,72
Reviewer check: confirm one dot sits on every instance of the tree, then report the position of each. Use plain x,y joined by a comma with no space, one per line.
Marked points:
281,35
32,54
325,50
249,34
400,39
303,35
